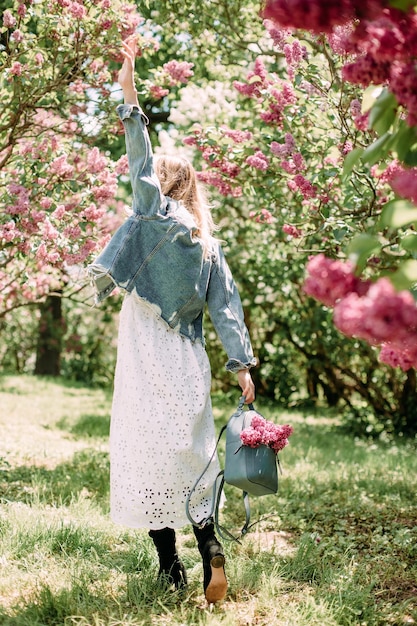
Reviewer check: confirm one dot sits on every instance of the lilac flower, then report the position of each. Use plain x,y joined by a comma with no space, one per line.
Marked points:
263,432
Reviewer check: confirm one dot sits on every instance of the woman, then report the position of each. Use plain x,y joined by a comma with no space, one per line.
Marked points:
162,431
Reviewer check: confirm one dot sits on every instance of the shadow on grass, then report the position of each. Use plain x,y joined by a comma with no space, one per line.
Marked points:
89,425
87,472
133,600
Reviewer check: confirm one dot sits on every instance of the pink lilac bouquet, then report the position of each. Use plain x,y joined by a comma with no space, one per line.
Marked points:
261,432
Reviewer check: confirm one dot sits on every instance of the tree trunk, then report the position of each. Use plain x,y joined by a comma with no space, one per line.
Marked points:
50,333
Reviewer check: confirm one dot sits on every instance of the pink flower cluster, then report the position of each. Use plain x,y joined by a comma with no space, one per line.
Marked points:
284,149
227,170
262,217
256,81
328,280
263,432
379,316
258,161
381,39
319,15
374,312
215,178
304,186
179,71
278,94
404,183
293,231
281,95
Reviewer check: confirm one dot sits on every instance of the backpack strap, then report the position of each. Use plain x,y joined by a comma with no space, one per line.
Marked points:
221,530
216,491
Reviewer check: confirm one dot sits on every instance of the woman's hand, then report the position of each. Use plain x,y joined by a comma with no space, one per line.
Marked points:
126,75
247,385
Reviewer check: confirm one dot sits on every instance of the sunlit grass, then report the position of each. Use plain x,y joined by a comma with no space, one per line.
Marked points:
337,545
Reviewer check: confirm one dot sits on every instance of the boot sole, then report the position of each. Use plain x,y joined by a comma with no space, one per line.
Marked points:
217,587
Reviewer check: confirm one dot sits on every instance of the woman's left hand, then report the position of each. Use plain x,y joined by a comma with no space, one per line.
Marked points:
247,385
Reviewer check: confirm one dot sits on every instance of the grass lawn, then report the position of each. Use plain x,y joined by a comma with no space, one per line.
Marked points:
337,545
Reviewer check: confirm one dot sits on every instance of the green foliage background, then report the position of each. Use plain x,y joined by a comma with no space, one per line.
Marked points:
304,360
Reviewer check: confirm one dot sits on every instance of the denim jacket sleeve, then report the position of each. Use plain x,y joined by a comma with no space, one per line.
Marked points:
147,196
226,313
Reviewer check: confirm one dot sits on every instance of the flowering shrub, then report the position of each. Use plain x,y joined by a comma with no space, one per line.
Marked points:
59,189
379,47
263,432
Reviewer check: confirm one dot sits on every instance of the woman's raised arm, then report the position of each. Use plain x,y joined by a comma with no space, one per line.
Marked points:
147,196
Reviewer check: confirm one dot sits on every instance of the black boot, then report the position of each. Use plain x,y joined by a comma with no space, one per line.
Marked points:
170,567
215,583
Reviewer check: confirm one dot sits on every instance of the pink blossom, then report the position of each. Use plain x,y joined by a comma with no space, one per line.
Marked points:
215,179
78,86
179,71
190,140
258,160
303,185
157,92
284,149
403,85
278,35
21,9
122,165
329,280
294,53
96,162
93,213
399,357
232,170
292,230
45,203
61,167
381,315
404,183
340,39
77,10
59,212
346,147
365,70
106,24
17,36
49,231
238,136
262,217
319,15
9,232
263,432
316,15
39,58
8,19
16,69
256,81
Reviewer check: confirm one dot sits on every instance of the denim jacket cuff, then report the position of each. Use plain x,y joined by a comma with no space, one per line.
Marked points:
125,110
234,365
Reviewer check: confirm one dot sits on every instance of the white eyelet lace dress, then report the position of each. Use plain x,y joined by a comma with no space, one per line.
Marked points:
162,432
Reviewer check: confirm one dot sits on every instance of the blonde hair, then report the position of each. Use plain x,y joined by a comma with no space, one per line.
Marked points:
178,180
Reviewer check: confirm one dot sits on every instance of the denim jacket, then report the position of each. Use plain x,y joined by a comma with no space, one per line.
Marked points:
156,254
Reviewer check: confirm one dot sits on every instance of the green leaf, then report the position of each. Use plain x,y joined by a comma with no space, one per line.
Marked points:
405,144
403,5
377,150
361,247
383,120
406,275
370,96
383,112
350,161
409,243
398,213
